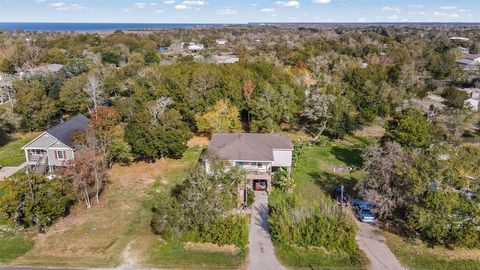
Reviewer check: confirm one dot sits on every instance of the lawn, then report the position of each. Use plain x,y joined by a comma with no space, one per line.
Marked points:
11,154
12,246
419,256
175,255
320,171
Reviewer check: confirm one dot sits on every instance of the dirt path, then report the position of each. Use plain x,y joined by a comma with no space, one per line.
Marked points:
372,242
261,251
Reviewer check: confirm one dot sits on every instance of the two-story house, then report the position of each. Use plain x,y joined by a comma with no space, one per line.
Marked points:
259,154
54,147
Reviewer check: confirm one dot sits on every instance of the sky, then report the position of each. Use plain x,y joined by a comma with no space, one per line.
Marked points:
239,11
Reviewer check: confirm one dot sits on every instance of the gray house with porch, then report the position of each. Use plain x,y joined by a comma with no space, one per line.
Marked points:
259,154
54,147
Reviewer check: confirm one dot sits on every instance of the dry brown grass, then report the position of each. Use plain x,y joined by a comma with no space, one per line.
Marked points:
97,237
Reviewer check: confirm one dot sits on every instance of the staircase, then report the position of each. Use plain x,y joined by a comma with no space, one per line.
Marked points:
41,166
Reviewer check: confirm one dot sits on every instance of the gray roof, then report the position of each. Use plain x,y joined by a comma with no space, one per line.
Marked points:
248,146
64,131
465,61
471,56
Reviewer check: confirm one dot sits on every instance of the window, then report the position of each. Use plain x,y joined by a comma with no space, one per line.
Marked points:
36,152
60,154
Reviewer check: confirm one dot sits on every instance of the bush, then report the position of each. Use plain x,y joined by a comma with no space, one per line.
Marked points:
322,140
298,152
250,197
454,97
232,230
295,222
35,201
284,181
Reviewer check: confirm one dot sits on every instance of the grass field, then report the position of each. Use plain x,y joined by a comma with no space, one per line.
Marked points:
11,154
419,256
320,171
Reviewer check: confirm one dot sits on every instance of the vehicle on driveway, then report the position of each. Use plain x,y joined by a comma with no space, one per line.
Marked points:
363,211
260,185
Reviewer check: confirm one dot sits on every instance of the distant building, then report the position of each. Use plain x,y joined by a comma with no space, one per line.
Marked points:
472,92
194,47
226,58
459,38
472,103
469,62
51,68
221,42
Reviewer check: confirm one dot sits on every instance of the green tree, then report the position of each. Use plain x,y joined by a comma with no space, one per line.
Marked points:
445,210
33,200
220,118
72,97
409,128
33,106
454,97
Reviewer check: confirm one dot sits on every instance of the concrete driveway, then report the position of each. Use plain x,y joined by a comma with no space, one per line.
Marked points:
9,171
261,255
371,240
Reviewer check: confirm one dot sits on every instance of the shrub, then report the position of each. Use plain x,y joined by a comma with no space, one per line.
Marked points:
34,200
298,152
284,181
295,222
250,197
322,140
232,230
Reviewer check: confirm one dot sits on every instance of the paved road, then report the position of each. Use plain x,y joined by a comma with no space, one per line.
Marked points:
261,252
33,268
372,242
8,171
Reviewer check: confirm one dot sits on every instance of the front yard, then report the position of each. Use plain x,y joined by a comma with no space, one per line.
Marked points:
10,154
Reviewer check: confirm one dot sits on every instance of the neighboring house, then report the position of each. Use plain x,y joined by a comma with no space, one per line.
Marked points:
54,147
51,68
226,58
469,62
460,38
194,47
259,154
221,42
472,103
473,98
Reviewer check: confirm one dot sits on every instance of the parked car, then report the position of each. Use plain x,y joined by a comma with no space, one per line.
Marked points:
260,185
338,196
363,211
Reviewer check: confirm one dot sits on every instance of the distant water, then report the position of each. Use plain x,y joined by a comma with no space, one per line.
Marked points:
91,27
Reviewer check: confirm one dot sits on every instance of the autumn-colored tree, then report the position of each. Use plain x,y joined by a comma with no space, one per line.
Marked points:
88,171
221,118
248,88
105,126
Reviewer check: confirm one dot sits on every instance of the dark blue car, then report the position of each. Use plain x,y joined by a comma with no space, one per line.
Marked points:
363,211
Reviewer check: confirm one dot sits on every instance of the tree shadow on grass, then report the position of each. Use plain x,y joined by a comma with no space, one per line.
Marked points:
328,182
350,156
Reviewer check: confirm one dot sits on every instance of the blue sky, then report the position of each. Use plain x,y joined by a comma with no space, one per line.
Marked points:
239,11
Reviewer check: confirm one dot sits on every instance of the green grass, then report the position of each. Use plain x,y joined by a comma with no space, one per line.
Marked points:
13,246
418,256
297,257
11,154
174,255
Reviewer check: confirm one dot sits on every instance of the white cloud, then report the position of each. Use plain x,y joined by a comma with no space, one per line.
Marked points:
294,4
448,7
158,11
416,6
321,1
361,20
193,3
61,6
446,15
268,10
391,9
226,11
140,5
169,2
181,6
